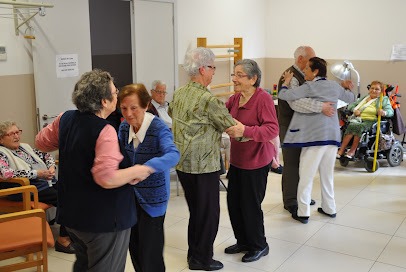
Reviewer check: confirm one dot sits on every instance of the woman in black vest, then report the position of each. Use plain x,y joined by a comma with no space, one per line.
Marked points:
95,200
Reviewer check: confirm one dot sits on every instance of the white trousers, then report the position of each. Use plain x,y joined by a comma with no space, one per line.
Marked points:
321,158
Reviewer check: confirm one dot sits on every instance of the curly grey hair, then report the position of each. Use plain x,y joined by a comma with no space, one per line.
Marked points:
196,58
5,126
251,68
91,88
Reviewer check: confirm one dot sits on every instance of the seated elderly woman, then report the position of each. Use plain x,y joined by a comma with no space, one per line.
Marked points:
20,160
367,108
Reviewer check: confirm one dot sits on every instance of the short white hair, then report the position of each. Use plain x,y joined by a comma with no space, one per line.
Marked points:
156,83
196,58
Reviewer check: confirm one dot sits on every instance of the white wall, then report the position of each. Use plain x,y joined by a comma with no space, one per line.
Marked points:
345,29
220,22
19,60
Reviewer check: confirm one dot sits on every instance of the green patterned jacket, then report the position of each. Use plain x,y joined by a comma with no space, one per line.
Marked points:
198,119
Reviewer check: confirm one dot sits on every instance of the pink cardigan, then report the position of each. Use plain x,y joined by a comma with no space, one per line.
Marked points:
107,151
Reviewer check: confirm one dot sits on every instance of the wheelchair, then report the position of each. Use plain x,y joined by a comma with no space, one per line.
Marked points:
392,150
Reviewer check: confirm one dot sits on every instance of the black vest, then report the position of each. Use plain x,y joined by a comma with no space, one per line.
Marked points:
285,112
82,204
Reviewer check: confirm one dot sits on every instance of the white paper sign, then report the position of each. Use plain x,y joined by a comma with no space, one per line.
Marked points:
398,52
67,65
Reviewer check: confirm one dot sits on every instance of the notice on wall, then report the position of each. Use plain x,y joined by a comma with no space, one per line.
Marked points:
398,52
67,65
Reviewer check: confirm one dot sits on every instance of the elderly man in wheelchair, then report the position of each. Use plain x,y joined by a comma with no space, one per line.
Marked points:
361,127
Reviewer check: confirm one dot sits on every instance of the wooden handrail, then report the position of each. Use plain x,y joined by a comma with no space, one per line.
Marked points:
226,56
224,94
221,85
223,46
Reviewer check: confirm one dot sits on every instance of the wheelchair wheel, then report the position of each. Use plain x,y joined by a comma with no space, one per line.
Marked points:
344,161
369,165
395,155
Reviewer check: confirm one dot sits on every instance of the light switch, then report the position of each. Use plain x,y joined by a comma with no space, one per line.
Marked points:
3,53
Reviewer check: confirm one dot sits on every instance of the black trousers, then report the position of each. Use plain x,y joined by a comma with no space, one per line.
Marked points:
203,199
246,191
147,242
290,175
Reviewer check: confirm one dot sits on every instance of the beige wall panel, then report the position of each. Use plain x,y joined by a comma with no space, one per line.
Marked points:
18,104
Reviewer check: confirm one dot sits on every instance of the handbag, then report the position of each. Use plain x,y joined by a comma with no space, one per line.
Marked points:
354,119
386,141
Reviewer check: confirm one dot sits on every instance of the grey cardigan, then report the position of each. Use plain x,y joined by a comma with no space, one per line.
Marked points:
315,129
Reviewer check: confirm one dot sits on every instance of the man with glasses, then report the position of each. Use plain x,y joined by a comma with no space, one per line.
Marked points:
158,105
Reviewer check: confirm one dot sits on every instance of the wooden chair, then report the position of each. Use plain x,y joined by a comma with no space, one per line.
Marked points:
8,206
25,233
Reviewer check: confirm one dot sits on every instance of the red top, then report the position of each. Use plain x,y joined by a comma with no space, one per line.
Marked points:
261,125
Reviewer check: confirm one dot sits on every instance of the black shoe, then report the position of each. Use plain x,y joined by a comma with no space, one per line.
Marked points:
301,219
320,210
312,202
252,256
277,170
197,265
292,209
235,249
65,249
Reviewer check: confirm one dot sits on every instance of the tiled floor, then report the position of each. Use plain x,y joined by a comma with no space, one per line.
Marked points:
369,233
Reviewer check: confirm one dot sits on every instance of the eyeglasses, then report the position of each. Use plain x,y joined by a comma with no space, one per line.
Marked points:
238,75
212,67
15,133
116,92
160,92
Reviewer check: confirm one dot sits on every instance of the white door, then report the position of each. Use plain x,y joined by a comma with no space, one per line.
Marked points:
63,30
154,43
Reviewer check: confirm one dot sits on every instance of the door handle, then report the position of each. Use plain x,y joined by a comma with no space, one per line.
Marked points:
46,117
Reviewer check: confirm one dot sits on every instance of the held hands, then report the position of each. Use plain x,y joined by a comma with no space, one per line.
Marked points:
141,173
45,174
357,112
237,130
52,170
287,76
328,109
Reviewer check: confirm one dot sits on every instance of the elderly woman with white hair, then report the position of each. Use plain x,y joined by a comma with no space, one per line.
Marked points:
20,160
199,119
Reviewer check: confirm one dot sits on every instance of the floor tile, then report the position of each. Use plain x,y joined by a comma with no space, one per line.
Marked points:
380,267
394,253
350,241
401,232
380,201
308,259
369,219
